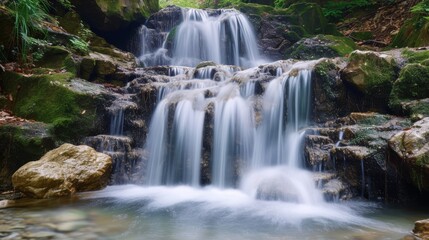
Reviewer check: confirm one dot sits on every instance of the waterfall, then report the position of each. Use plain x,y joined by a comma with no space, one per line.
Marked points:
261,157
224,37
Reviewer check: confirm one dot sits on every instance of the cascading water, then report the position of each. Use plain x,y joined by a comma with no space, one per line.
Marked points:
268,151
224,36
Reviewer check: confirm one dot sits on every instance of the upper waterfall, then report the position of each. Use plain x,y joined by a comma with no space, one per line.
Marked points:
222,36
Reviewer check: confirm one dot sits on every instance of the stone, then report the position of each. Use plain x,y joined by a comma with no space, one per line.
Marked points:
411,148
414,32
22,142
421,229
113,16
64,171
321,46
372,74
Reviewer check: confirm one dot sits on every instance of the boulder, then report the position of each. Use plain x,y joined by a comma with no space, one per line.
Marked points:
411,85
371,76
411,149
320,46
64,171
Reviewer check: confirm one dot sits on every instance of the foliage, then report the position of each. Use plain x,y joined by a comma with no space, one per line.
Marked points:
29,16
421,8
79,45
180,3
334,10
66,4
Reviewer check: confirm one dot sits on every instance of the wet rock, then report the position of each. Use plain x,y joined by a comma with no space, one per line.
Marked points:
334,190
317,150
421,229
63,171
411,148
329,93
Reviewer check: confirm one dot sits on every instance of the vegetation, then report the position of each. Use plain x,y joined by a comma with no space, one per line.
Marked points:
29,16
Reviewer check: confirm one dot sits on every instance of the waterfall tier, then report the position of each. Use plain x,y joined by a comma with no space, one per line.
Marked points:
222,36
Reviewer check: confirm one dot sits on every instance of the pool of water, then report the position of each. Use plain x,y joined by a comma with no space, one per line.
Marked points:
182,212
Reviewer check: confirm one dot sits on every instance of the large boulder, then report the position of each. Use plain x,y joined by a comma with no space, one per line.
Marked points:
411,153
64,171
372,75
421,229
411,85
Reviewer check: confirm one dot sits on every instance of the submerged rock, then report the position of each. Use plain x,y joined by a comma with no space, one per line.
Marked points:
64,171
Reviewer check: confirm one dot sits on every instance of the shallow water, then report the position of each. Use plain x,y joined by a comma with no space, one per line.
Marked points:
183,212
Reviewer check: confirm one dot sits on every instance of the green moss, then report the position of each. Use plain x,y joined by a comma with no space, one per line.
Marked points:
53,57
415,56
320,46
133,11
377,119
342,45
362,137
377,73
47,98
413,33
20,144
309,16
411,85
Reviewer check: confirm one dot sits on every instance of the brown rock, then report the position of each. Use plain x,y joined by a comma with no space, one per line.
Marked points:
64,171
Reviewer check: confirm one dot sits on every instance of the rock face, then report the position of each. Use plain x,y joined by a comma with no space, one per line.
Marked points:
411,148
21,142
111,16
64,171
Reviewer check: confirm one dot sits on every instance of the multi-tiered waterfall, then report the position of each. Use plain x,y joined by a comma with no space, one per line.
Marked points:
222,158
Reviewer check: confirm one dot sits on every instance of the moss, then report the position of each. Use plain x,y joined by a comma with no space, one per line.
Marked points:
20,144
53,57
416,56
377,119
363,137
309,16
413,33
133,11
371,74
411,85
47,98
320,46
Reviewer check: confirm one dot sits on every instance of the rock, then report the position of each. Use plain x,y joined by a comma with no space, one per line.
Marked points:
411,85
262,2
372,75
411,148
329,96
334,190
63,171
317,149
320,46
75,108
107,16
21,142
421,229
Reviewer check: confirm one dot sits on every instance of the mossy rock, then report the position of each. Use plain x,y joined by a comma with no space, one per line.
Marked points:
309,16
321,46
56,57
416,56
412,84
21,142
371,73
71,106
413,33
113,15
